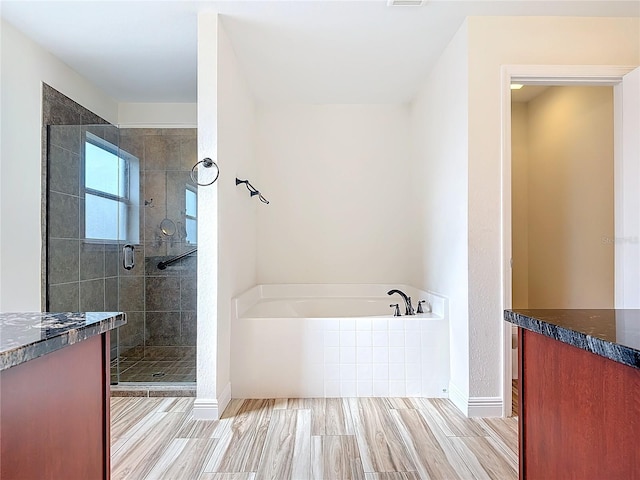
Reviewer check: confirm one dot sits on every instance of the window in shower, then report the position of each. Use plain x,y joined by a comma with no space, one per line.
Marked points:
191,214
111,186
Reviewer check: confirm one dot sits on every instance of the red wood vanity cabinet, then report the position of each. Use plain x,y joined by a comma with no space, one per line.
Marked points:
579,413
54,396
54,415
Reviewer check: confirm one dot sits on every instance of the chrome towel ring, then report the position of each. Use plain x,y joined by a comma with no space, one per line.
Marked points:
206,163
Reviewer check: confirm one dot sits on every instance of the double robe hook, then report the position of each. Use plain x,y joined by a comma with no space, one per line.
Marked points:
252,190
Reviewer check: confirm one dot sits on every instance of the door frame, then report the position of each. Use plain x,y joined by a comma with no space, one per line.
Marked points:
558,75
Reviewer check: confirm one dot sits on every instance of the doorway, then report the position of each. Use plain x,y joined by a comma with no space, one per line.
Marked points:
562,199
626,204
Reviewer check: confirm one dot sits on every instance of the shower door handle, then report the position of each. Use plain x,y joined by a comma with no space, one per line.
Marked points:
128,257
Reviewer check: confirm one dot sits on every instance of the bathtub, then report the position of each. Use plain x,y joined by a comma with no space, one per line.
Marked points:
337,341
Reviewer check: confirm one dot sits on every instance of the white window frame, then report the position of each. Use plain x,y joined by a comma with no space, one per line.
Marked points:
130,196
193,189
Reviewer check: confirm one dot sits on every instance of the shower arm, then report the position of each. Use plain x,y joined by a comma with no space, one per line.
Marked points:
163,265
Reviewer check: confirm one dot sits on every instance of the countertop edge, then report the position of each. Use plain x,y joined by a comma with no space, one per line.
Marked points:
612,351
32,351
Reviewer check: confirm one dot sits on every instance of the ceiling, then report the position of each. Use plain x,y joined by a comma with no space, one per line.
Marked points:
294,51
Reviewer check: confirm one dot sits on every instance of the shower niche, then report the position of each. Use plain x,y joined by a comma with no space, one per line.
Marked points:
118,202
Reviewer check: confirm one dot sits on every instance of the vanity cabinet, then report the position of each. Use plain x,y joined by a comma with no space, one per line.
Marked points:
54,406
579,394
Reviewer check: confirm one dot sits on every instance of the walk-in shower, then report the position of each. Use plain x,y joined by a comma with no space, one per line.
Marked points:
121,201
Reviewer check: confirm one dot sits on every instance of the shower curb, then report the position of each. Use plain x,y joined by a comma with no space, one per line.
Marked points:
153,390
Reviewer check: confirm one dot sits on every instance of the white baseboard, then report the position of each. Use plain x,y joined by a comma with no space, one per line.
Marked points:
475,406
206,409
212,408
224,398
459,399
485,407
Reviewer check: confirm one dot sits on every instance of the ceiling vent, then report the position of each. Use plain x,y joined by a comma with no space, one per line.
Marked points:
405,3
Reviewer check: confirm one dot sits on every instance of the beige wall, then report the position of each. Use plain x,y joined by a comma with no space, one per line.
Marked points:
571,199
520,203
338,176
494,42
562,199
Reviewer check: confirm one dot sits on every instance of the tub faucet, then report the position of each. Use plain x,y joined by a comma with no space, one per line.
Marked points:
407,301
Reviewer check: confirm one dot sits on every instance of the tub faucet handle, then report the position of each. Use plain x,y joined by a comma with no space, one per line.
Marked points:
407,301
420,309
396,311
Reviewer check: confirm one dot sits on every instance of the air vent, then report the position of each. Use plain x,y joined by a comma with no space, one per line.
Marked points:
405,3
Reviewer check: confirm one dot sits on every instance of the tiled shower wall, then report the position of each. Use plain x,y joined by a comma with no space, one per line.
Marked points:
162,324
88,276
82,276
79,280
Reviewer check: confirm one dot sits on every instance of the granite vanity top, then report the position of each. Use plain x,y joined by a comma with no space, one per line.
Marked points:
25,336
613,334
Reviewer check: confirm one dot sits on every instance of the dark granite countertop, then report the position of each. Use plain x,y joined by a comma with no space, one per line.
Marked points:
613,334
25,336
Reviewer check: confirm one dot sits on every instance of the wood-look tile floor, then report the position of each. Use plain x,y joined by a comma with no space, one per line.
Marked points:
299,439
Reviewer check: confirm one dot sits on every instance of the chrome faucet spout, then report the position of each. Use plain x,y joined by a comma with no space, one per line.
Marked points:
407,301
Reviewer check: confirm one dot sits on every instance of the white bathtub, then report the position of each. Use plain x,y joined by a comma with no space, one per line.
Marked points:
337,341
326,307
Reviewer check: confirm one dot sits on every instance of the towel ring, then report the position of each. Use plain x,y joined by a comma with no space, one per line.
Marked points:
206,163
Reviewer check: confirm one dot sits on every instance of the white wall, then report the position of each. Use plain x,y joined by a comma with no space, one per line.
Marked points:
24,65
338,178
439,126
206,405
154,115
236,210
627,188
493,42
571,221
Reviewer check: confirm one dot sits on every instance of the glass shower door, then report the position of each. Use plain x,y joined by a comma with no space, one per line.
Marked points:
120,201
84,213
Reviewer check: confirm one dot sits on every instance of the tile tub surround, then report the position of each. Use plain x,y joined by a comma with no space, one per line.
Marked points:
333,356
612,334
25,336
